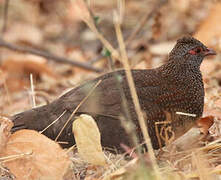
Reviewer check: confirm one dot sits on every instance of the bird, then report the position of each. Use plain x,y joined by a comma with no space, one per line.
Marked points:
171,95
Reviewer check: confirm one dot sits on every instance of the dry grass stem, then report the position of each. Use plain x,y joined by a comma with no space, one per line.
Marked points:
135,97
200,164
71,148
52,122
32,93
110,48
91,24
186,114
79,105
13,157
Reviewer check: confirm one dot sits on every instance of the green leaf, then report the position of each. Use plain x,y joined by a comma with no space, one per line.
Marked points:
106,53
96,20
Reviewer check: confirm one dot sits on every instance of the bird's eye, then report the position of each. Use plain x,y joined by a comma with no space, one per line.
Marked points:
196,51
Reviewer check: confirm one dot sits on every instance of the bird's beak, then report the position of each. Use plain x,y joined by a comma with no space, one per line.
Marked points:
209,52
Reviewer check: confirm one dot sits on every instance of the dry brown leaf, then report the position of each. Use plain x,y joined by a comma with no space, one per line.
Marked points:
88,140
79,10
210,30
215,129
205,123
19,67
5,128
215,112
24,33
47,160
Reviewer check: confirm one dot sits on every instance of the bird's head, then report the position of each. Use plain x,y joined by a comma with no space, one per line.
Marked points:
189,50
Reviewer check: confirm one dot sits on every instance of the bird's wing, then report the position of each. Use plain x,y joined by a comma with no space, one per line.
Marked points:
107,97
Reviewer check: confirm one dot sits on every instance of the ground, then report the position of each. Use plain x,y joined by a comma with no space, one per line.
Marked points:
49,46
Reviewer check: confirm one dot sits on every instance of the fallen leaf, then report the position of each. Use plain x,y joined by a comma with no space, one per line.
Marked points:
24,33
215,112
215,129
210,30
38,157
78,10
19,67
205,123
88,140
5,128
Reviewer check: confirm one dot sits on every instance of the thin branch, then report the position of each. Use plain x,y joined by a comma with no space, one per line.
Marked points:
32,93
134,95
13,157
127,120
48,56
52,122
104,41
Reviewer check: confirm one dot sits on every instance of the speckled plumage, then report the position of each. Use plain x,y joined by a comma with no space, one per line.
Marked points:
176,86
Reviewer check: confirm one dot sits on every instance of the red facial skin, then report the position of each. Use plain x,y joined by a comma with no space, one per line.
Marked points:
206,52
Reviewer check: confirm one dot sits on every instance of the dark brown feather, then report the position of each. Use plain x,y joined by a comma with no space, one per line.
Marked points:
176,86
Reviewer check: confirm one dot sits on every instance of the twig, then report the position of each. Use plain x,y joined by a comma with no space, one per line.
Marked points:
53,122
5,16
134,96
13,157
186,114
48,56
79,105
106,43
89,20
131,132
70,149
32,92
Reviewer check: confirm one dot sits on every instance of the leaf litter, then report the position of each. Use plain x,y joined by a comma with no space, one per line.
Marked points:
55,28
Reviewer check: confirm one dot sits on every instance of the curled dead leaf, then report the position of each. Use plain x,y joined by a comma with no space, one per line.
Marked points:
205,123
88,140
35,157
